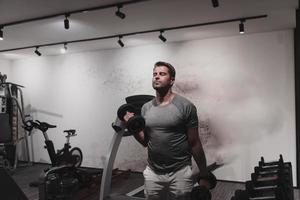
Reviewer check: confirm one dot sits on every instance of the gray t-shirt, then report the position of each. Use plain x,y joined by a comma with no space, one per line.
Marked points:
166,128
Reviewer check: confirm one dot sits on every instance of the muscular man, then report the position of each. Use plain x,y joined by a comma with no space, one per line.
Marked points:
171,136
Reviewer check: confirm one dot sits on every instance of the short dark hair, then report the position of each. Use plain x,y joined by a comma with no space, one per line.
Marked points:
172,70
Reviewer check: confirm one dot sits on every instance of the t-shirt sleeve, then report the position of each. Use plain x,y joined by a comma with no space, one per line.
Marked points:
191,116
144,109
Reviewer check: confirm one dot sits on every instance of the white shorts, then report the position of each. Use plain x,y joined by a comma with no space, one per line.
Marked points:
170,186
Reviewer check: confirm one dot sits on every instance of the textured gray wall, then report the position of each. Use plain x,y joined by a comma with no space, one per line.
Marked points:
243,87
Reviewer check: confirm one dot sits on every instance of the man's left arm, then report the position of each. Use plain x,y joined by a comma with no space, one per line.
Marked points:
198,154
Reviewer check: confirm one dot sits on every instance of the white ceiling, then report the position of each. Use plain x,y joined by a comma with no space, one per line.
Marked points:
142,16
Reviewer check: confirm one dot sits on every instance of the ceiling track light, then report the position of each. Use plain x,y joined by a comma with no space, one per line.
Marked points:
120,41
1,32
215,3
119,13
66,21
64,49
37,52
241,26
161,37
71,12
120,35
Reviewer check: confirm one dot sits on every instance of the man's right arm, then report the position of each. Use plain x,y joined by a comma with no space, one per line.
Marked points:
142,138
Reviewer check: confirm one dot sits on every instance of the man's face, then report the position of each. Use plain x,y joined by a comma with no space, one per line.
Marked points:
161,78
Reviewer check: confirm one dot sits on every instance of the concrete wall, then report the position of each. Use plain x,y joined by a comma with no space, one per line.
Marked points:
243,87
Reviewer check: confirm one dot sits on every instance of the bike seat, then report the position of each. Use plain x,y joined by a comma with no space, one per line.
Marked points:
43,126
70,131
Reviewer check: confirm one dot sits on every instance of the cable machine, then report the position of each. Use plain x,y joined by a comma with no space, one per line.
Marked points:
11,113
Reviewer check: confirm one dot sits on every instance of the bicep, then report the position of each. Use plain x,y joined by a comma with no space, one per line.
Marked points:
193,136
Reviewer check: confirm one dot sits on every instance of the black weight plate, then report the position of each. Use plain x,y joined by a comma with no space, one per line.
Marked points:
123,109
136,124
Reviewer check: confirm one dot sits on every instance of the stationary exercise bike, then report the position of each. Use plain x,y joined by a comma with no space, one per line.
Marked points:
64,179
63,156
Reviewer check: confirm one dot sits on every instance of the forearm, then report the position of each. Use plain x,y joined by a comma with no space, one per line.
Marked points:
142,138
199,157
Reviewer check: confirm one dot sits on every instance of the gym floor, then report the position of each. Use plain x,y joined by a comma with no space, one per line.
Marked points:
124,183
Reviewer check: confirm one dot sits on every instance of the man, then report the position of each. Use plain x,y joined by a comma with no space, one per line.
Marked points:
171,135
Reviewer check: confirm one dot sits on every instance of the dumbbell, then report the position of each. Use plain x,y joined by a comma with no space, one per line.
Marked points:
262,162
201,192
136,123
240,195
283,173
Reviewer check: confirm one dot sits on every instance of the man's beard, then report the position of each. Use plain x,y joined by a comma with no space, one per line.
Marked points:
160,86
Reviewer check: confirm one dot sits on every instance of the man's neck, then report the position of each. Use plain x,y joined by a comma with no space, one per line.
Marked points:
163,98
